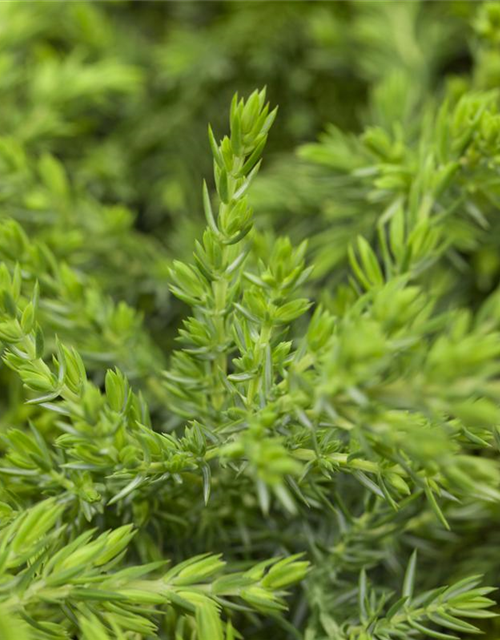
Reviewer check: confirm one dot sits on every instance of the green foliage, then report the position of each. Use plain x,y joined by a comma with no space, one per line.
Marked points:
267,404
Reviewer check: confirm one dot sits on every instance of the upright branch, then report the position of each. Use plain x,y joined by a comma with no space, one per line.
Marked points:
211,286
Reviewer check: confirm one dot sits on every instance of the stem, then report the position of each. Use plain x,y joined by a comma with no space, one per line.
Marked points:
220,288
256,382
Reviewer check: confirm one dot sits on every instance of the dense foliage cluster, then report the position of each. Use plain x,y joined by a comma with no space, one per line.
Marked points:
245,401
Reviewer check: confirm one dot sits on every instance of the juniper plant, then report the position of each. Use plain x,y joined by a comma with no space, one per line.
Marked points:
318,457
285,421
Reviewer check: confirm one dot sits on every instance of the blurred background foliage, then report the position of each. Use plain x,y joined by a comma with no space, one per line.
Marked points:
105,105
120,93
